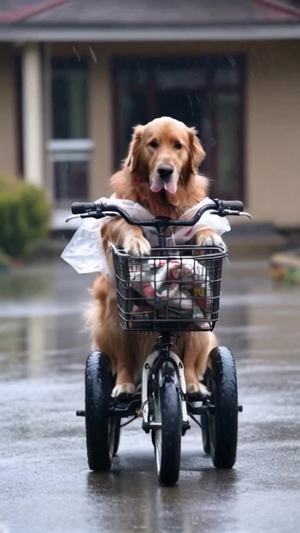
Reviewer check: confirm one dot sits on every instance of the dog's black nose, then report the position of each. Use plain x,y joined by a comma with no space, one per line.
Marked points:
165,171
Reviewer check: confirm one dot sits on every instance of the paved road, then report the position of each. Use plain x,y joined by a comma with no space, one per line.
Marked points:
45,485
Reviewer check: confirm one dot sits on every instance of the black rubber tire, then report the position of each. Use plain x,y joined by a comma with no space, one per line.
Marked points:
100,440
223,417
167,440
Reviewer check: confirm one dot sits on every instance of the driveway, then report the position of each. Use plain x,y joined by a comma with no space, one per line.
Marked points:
45,484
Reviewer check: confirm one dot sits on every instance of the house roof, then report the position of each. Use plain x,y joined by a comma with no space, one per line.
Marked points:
109,20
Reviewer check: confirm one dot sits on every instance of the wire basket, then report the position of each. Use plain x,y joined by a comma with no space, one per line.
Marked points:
174,289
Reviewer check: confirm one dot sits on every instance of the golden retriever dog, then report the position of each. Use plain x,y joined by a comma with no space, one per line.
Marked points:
160,172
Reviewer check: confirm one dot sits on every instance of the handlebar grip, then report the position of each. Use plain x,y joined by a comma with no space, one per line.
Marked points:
233,205
78,208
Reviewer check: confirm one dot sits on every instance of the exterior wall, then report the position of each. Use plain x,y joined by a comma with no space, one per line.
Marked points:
273,133
272,122
272,118
8,110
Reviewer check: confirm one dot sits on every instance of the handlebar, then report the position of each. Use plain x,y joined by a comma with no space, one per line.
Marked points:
79,208
232,205
99,210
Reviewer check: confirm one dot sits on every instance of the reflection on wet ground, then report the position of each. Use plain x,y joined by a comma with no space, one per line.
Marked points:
45,484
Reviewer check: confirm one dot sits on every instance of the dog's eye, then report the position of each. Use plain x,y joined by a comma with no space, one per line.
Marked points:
177,145
153,144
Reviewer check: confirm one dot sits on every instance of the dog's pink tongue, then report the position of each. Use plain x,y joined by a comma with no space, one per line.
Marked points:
171,186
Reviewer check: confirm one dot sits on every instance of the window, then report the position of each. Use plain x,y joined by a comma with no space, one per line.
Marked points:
206,92
227,134
70,180
69,99
69,148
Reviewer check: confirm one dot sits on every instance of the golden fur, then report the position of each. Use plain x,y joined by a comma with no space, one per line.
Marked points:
162,146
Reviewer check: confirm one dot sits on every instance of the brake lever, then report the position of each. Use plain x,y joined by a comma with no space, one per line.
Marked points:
245,214
230,212
90,214
72,217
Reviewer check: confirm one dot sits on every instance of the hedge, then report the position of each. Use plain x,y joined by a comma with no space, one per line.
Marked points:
24,216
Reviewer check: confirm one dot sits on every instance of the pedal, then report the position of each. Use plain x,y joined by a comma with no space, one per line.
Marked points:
80,413
125,408
147,426
198,409
196,397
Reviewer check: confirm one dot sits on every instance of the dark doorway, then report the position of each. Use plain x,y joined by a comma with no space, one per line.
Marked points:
205,92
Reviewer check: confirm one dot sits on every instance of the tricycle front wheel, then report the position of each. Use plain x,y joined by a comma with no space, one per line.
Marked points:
167,438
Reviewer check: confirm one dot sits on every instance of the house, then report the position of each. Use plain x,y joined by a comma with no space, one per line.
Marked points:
76,75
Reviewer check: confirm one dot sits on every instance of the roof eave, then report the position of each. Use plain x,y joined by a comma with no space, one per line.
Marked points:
71,33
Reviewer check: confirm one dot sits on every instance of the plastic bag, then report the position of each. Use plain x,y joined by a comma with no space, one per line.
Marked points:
85,251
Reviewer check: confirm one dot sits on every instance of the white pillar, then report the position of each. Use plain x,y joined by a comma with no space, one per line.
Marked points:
33,144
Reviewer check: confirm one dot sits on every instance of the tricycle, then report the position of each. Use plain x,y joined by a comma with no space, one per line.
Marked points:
161,399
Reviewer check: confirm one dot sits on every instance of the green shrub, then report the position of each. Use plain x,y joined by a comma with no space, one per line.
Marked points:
24,216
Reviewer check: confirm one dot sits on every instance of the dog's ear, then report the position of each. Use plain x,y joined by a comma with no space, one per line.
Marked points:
133,155
197,153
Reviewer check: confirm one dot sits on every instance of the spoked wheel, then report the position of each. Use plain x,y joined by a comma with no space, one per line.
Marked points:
102,430
167,438
222,416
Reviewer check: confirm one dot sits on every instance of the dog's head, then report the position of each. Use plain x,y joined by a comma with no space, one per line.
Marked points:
166,153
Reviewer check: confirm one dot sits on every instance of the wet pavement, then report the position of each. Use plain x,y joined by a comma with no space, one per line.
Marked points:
45,484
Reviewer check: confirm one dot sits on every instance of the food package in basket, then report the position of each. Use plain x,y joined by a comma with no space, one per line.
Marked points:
181,284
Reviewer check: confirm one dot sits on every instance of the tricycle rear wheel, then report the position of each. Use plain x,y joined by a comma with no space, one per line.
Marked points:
222,412
101,429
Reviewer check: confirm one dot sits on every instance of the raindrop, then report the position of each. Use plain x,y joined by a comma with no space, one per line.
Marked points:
191,104
93,55
76,53
140,70
232,60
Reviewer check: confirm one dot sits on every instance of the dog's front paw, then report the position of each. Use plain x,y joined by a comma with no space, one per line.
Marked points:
136,245
198,389
209,238
123,390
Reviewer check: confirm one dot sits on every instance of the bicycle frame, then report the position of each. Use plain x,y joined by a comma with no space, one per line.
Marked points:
152,366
